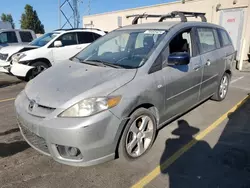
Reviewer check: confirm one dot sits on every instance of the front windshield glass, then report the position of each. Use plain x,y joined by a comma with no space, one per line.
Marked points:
44,39
125,48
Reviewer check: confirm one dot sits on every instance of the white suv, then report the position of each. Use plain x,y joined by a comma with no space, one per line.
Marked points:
52,48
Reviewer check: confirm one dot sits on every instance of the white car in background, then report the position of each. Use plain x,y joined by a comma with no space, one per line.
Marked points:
49,49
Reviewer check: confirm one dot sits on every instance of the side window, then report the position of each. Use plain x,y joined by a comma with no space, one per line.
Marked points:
181,43
8,37
87,37
25,36
207,39
117,44
68,39
224,38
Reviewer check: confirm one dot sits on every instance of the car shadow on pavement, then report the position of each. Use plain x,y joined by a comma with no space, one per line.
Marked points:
225,164
9,149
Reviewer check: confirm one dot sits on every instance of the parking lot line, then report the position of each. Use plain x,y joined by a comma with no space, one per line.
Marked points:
5,100
237,79
153,174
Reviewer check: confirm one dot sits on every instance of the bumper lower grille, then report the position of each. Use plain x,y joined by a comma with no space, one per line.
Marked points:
34,140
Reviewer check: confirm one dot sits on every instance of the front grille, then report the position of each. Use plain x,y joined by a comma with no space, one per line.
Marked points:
34,140
3,56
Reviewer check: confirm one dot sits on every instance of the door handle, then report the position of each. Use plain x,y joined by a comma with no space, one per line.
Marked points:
78,47
208,63
197,68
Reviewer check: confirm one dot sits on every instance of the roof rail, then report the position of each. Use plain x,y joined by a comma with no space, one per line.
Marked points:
184,15
138,16
77,29
175,14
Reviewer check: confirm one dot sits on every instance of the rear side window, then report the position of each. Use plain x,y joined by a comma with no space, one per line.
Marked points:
224,38
87,37
207,39
26,36
8,37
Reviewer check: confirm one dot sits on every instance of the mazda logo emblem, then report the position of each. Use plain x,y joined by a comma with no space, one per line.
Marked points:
31,105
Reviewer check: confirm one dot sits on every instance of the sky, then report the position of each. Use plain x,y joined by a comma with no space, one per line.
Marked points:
48,9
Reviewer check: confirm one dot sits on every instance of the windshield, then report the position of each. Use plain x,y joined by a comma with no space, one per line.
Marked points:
44,39
126,48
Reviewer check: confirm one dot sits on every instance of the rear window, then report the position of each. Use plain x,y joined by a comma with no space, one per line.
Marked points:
207,40
26,36
225,40
87,37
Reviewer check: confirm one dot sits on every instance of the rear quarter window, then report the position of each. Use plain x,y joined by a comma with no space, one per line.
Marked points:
225,39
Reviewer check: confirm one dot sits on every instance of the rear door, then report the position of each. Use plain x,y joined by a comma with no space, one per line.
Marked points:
212,60
182,82
85,38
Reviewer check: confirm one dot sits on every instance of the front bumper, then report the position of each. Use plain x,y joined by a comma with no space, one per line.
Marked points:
20,70
96,137
4,66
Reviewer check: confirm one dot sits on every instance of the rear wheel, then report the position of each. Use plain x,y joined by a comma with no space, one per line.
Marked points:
222,90
138,136
39,67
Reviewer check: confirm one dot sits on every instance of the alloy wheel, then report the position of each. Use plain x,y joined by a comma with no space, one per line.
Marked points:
139,136
224,87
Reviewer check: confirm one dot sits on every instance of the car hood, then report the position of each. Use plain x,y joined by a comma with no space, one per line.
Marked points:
14,49
69,82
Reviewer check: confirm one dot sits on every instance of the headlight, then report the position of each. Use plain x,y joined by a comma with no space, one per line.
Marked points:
17,57
91,106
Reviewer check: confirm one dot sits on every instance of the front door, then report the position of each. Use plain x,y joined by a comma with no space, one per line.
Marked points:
69,48
182,82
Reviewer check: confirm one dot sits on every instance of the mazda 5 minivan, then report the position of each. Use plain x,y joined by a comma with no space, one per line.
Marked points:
111,98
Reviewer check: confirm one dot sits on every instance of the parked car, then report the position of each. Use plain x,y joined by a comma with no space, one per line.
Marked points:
6,54
51,48
111,98
10,37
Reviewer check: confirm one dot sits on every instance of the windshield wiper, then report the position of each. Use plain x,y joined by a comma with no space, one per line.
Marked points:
107,63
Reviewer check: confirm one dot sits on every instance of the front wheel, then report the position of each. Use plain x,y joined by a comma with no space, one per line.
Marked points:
38,68
138,136
222,90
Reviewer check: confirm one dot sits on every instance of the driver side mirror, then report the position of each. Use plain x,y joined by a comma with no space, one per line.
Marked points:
179,58
58,44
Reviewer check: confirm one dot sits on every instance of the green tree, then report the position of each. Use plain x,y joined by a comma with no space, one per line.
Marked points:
8,18
30,20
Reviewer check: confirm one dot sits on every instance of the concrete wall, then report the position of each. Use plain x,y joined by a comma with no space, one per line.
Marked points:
109,21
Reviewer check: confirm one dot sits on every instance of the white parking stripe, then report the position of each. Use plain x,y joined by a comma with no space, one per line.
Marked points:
236,80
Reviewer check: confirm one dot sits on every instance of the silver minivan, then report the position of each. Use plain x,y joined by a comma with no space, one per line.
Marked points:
112,97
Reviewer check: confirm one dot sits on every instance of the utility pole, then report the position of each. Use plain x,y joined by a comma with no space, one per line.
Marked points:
74,14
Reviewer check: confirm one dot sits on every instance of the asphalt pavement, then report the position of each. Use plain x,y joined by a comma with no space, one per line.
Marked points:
206,147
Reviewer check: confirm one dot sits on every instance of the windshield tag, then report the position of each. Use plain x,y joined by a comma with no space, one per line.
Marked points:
154,32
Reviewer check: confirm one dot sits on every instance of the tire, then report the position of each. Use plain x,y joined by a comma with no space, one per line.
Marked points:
39,67
223,87
129,137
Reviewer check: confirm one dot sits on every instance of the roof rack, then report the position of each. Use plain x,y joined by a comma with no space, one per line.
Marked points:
139,16
77,29
175,14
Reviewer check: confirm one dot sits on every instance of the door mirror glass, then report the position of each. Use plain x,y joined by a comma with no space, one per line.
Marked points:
179,58
58,43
